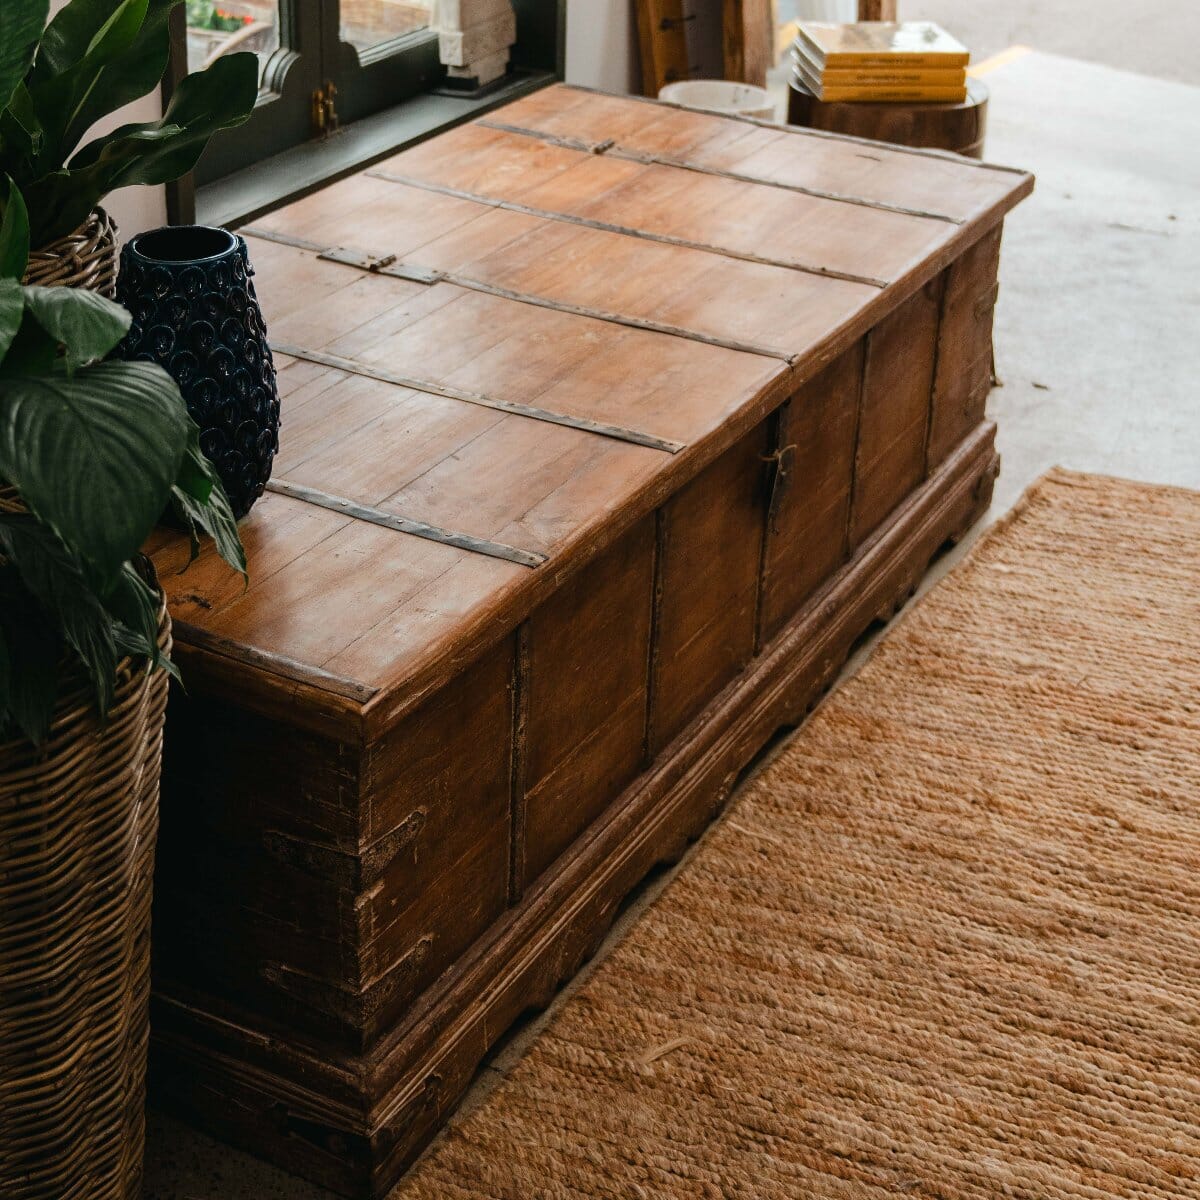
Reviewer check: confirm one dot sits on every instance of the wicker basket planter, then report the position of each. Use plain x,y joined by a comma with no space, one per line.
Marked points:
78,821
86,258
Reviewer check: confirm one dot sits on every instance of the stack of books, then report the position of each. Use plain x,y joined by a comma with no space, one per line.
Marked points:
880,61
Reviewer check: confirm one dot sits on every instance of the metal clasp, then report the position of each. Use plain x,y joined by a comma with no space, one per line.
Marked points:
325,118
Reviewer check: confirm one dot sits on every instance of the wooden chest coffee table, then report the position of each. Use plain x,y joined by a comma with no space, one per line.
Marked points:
608,428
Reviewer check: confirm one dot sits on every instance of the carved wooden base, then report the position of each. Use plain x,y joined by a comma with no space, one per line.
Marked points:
353,1123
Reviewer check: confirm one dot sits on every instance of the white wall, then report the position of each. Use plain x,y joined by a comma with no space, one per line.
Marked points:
602,47
134,208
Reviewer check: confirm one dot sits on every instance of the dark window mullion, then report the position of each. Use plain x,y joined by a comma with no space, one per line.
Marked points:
326,16
383,75
283,116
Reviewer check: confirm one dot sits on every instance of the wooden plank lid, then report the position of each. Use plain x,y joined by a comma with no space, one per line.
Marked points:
499,349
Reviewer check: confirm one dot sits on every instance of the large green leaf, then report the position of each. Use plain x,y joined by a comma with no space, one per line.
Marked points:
86,324
201,500
14,235
12,309
78,29
32,352
55,580
21,25
220,97
133,603
76,47
151,152
98,629
94,455
20,134
115,36
133,73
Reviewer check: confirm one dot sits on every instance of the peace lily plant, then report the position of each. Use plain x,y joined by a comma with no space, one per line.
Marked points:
95,451
91,452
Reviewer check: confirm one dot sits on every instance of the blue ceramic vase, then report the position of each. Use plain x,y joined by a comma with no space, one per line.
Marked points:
195,313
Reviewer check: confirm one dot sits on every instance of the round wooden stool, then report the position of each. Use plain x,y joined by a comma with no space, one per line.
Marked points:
957,127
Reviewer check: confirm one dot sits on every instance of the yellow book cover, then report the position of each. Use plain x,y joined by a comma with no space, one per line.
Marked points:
883,43
879,93
893,75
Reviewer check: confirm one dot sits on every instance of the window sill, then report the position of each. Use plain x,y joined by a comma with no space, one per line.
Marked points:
246,194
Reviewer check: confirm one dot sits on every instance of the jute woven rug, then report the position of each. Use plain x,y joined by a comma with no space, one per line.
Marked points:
947,945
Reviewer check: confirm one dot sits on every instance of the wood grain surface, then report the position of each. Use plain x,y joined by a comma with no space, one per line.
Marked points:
329,598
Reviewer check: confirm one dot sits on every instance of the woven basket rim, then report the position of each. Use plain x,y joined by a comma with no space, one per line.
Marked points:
91,231
84,258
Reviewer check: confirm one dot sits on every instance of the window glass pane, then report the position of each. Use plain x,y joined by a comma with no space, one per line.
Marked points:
216,27
367,23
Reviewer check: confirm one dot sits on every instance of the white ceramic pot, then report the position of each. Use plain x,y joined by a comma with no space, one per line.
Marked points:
721,96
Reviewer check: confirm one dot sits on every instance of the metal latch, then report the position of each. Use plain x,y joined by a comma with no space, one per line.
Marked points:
325,118
781,462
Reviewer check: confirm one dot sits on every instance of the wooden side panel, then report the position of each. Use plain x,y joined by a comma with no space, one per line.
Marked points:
748,29
810,495
662,42
436,788
588,650
446,764
272,972
347,879
876,10
709,566
897,381
964,366
239,774
434,862
429,936
248,806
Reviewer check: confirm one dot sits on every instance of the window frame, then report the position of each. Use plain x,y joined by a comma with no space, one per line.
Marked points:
384,75
388,97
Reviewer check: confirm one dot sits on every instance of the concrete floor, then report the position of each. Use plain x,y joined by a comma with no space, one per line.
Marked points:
1157,38
1098,331
1098,337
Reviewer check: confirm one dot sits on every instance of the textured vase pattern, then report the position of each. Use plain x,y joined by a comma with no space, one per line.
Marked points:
199,318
